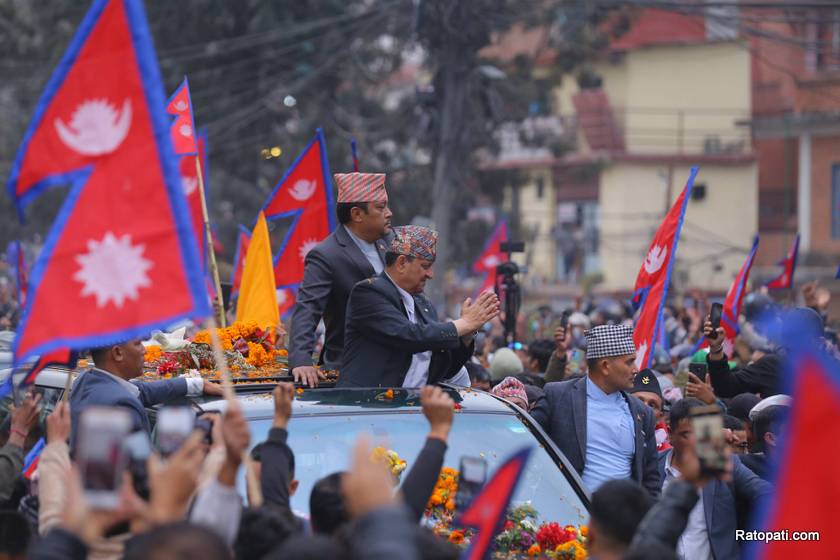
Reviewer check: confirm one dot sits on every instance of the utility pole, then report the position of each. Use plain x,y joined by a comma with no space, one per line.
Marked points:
456,60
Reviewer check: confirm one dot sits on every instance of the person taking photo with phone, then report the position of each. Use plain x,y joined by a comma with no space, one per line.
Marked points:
761,376
109,383
710,531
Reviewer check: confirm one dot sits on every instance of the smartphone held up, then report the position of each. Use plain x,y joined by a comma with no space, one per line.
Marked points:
707,422
101,455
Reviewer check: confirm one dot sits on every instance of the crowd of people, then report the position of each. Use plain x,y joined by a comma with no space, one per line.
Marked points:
631,436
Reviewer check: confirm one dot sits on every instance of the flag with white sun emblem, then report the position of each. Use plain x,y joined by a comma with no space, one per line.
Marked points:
651,289
119,260
491,257
304,195
182,130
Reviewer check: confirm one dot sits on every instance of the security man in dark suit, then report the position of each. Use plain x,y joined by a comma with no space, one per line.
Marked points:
393,337
353,252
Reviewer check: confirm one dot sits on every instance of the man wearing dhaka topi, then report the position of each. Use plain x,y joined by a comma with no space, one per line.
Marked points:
393,337
353,252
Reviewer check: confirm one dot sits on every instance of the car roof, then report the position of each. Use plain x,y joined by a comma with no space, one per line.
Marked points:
257,401
316,402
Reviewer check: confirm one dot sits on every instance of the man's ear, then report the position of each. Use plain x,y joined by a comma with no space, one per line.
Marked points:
770,438
293,486
117,353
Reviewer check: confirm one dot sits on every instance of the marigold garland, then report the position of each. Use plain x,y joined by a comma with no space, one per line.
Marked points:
153,353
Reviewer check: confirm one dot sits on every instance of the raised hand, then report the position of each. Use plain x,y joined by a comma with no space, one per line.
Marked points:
283,395
439,410
24,417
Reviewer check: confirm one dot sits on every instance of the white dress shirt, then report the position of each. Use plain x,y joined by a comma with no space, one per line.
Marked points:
418,372
368,250
195,385
694,542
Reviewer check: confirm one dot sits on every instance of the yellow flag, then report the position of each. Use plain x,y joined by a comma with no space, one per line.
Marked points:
258,292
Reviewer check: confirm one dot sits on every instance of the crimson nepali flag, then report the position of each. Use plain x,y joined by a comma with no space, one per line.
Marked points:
807,489
735,297
192,192
286,300
491,257
732,305
243,239
304,194
120,259
488,510
182,130
788,264
651,289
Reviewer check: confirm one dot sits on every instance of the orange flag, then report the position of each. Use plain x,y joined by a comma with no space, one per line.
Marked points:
258,292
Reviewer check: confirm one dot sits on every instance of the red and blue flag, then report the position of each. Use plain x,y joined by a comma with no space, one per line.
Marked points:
788,264
491,257
487,512
17,260
304,194
120,259
182,131
30,462
732,304
806,485
651,289
286,300
243,239
735,297
21,378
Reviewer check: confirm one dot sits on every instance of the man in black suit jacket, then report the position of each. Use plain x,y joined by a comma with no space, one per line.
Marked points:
604,432
393,337
353,252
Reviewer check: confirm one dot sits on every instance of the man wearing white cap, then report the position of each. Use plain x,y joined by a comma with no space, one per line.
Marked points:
769,419
353,252
603,431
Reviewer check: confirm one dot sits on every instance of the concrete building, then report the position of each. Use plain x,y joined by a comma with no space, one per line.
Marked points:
671,95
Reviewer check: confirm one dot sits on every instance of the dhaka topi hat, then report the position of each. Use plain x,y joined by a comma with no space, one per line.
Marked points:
511,387
414,241
361,187
607,341
646,382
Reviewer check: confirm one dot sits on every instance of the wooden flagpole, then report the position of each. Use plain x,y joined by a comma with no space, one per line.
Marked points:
253,483
208,234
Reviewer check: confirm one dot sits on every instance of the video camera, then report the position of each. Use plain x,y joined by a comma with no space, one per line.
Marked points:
508,289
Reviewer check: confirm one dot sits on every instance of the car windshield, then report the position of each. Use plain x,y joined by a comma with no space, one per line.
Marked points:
323,444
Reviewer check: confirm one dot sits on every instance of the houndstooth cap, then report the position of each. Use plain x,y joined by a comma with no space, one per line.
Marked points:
607,341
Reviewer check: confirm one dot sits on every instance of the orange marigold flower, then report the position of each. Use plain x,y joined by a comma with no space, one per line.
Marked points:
456,537
389,394
450,504
153,353
299,390
584,531
283,352
436,499
534,550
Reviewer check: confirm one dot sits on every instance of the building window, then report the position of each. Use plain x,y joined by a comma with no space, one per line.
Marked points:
540,187
835,201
